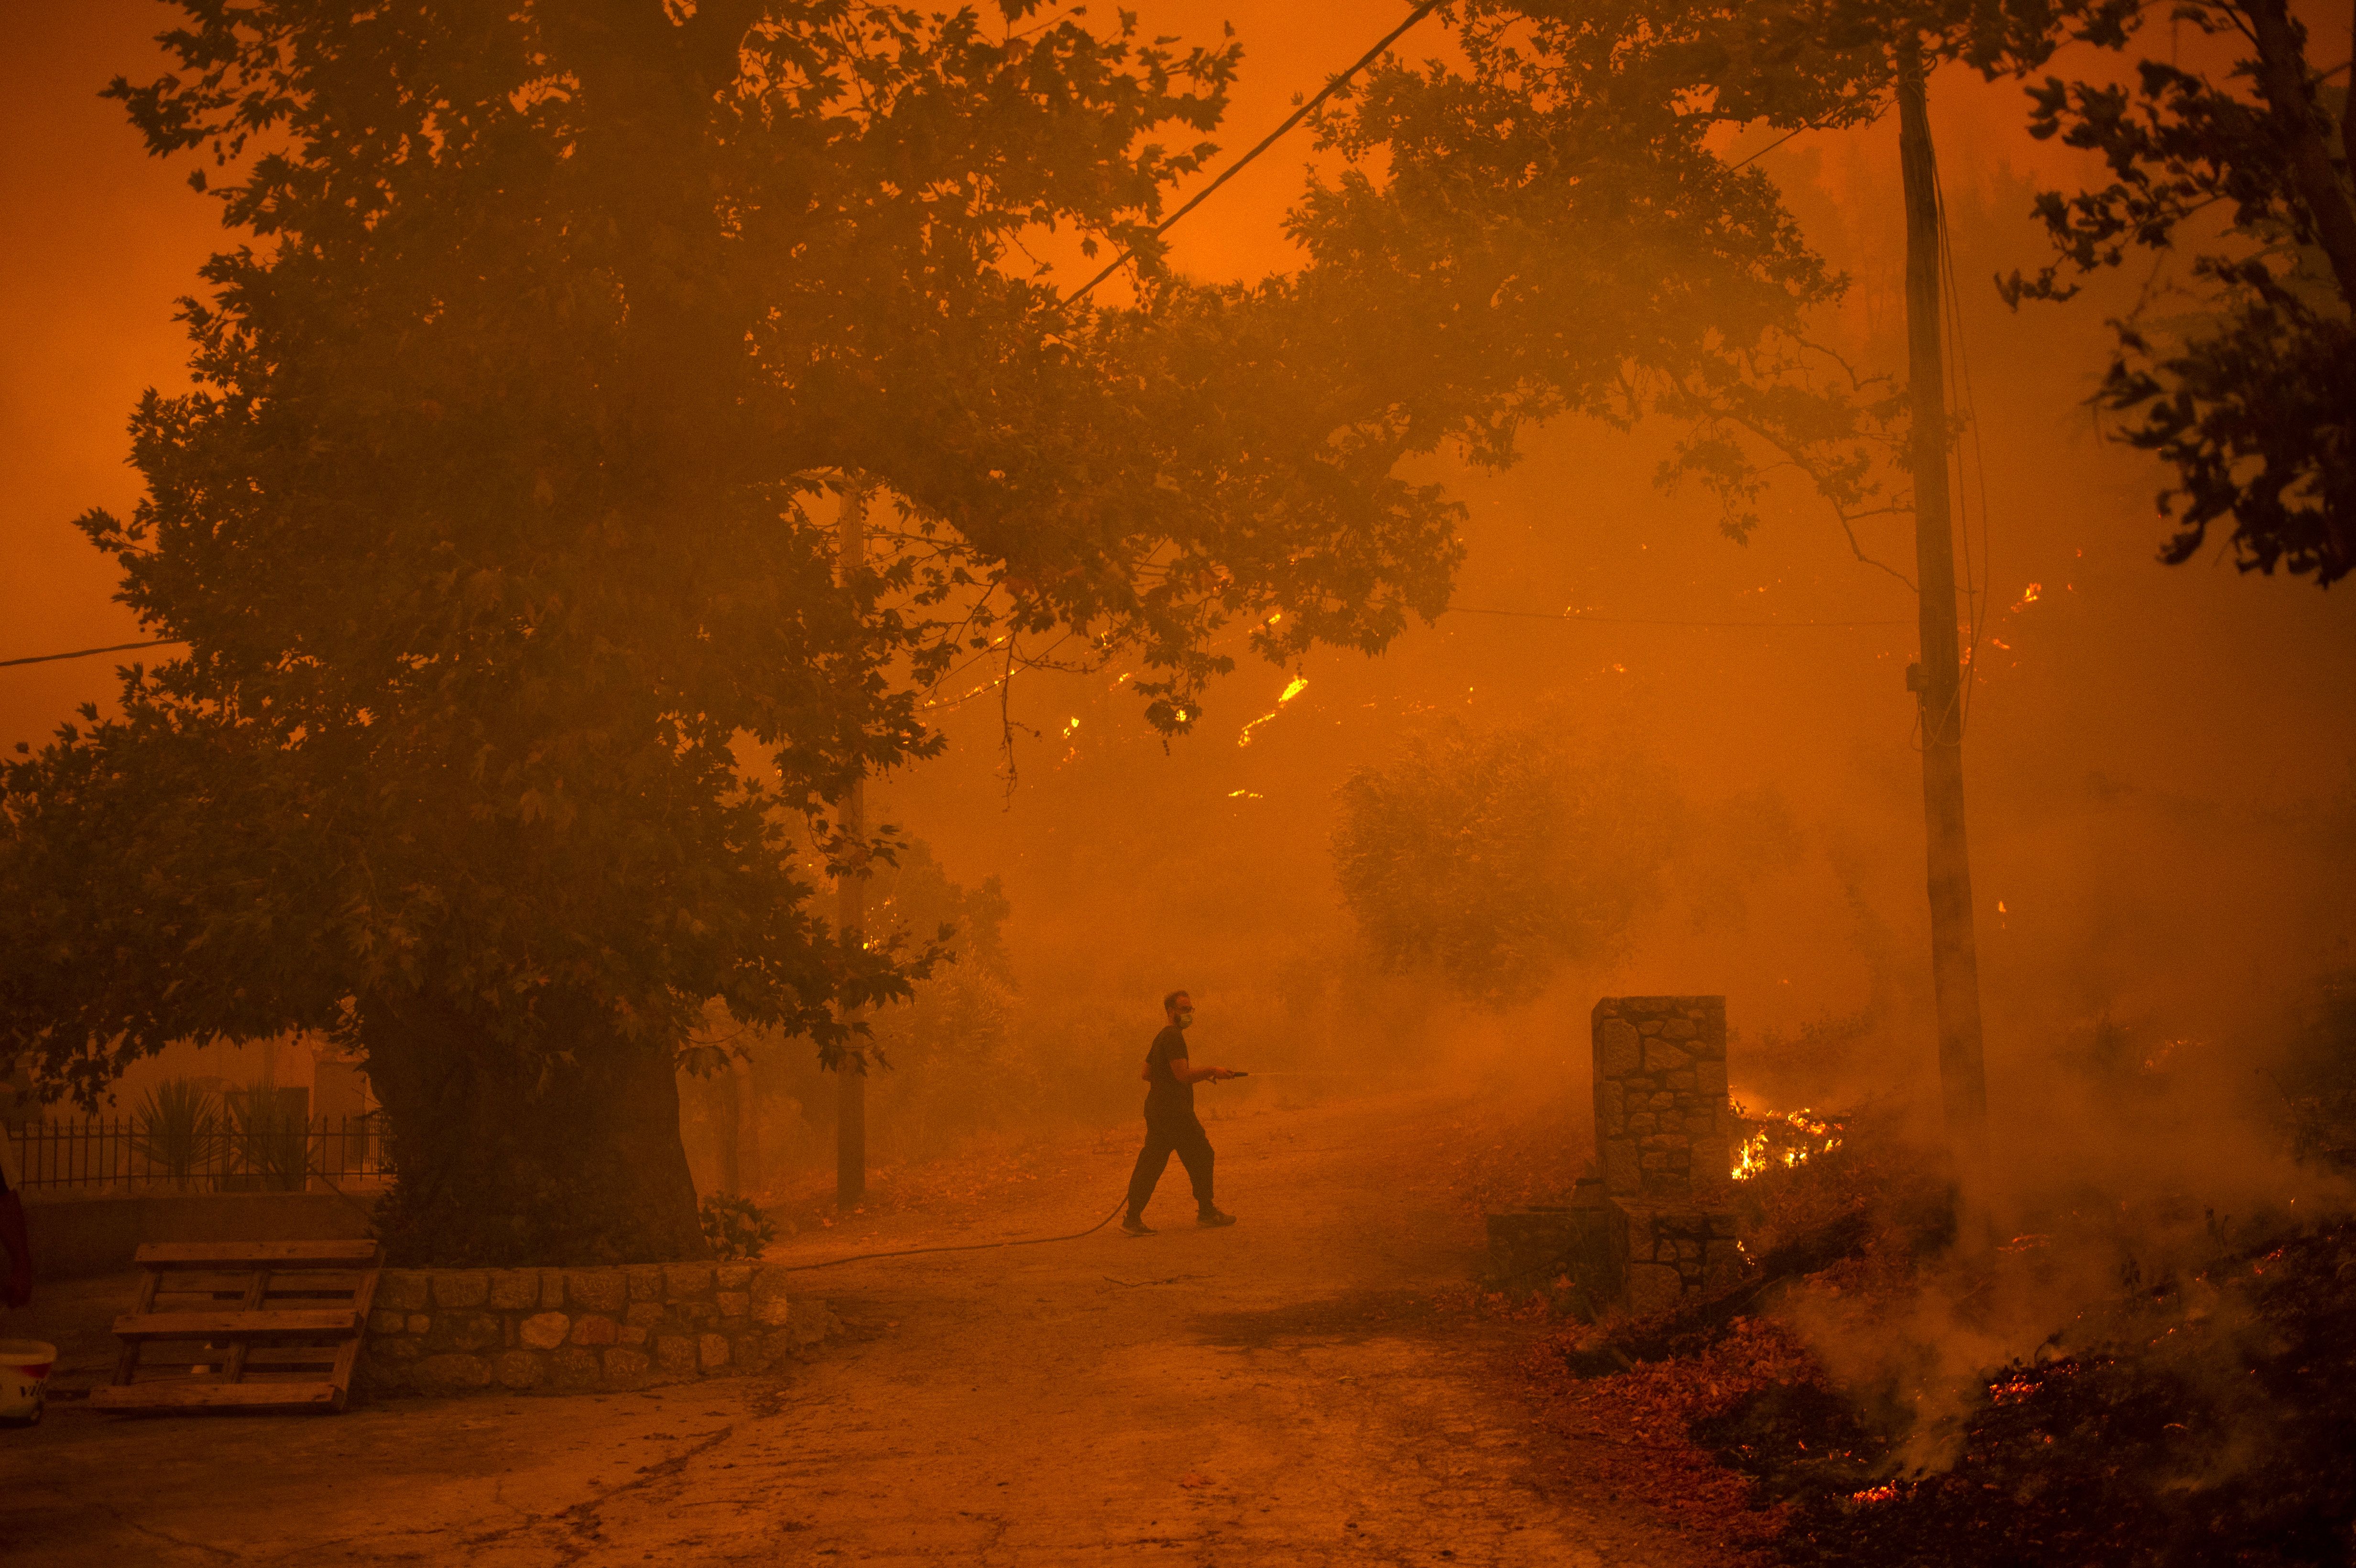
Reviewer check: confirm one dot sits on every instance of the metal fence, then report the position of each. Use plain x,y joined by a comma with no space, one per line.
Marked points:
135,1155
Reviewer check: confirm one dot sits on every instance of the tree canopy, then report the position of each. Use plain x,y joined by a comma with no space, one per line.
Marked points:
2240,370
490,524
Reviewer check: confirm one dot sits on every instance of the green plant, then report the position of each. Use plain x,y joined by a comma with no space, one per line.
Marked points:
177,1128
270,1144
736,1227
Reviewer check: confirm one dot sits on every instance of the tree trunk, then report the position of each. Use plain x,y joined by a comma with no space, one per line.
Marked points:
501,1166
1954,953
851,1072
746,1147
2289,91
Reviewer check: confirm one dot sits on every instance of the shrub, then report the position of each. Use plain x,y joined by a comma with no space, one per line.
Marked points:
736,1227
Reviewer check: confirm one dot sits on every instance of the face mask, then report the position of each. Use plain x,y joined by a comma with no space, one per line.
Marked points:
1184,1017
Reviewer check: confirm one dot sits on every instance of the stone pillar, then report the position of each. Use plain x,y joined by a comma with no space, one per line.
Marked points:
1663,1127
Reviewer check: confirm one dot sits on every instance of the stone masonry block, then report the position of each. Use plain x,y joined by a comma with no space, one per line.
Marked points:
552,1288
519,1370
1660,1058
544,1330
597,1290
1617,1051
572,1367
461,1287
387,1322
627,1368
646,1281
643,1314
595,1330
685,1282
450,1374
675,1353
469,1331
420,1323
514,1290
733,1277
403,1290
711,1351
1709,1078
735,1302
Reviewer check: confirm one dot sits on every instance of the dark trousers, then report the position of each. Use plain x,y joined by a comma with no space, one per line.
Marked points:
1167,1133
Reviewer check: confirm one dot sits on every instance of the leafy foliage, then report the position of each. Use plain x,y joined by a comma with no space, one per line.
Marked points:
177,1128
736,1227
2247,387
488,526
1496,858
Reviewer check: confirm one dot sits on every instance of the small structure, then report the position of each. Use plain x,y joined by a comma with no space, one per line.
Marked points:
252,1326
1533,1245
1663,1134
1655,1228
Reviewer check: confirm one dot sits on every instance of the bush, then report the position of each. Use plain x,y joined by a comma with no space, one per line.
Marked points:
177,1130
736,1228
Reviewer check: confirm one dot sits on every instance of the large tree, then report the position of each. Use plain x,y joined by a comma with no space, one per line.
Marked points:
486,525
2237,368
486,529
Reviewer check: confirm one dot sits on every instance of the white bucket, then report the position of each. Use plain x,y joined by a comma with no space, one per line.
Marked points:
24,1379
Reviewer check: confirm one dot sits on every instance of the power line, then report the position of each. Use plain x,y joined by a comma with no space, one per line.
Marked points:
1270,140
86,652
1646,620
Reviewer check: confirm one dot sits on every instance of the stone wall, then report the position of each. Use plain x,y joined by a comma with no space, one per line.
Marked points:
1662,1127
1667,1253
451,1331
1532,1245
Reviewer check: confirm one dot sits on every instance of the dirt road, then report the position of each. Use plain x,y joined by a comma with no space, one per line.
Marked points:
1282,1393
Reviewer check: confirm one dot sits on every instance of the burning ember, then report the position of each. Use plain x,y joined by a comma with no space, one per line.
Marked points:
1783,1138
1300,684
1881,1494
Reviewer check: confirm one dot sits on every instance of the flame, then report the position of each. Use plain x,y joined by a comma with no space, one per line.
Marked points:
1300,684
1243,794
1881,1494
2029,595
1070,726
1759,1152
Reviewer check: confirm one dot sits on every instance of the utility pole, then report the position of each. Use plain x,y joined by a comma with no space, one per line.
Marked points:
1938,680
850,888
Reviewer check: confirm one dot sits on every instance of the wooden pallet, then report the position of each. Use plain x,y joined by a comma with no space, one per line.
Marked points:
254,1325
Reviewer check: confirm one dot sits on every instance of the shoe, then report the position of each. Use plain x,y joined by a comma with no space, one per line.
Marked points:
1210,1219
1130,1225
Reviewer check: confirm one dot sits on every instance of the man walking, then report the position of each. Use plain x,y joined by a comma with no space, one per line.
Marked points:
1170,1126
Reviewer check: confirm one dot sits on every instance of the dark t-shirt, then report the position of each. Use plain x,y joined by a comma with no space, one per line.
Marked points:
1167,1094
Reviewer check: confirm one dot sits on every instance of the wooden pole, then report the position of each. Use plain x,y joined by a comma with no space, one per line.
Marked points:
1938,680
850,1074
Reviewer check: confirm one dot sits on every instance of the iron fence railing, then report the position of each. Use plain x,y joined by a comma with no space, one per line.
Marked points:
131,1154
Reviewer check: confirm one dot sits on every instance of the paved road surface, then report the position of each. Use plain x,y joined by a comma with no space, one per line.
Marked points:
1280,1393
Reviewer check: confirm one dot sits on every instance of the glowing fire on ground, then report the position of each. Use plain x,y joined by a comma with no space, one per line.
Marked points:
1783,1139
1881,1494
